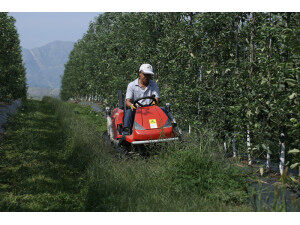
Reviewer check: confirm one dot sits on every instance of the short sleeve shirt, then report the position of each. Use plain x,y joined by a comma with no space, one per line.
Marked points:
135,91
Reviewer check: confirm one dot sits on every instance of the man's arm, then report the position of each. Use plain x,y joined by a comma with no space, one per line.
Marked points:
156,92
128,102
129,95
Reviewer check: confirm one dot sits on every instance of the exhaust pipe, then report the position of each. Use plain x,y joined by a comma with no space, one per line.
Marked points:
172,118
169,114
109,126
109,123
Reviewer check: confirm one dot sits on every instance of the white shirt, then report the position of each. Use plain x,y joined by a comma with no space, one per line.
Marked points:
135,91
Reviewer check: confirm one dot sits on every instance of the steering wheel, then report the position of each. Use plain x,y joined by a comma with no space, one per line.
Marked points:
142,105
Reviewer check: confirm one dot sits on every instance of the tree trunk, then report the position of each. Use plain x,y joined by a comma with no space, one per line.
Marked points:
199,97
237,70
214,63
237,42
252,46
269,49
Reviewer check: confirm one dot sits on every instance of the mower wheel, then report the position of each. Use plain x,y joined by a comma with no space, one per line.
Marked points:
121,151
106,138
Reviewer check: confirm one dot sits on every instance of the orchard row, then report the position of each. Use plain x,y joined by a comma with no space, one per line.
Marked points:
234,73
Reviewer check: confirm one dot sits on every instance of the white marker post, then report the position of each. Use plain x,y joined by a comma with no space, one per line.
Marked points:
282,154
233,146
225,146
268,158
249,147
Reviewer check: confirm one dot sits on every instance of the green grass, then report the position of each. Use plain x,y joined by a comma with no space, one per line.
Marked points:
36,174
54,159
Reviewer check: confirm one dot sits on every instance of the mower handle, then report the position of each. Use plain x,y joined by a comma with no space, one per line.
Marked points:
148,97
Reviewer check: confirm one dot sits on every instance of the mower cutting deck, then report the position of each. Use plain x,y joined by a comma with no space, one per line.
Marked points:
151,124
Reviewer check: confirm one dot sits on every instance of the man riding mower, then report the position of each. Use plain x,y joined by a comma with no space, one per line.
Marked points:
142,121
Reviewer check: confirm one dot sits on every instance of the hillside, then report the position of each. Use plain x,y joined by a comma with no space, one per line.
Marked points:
40,92
45,65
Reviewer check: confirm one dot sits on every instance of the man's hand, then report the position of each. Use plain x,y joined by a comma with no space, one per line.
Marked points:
129,104
157,101
132,107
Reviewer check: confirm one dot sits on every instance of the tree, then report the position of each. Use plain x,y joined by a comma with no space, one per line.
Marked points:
12,71
223,71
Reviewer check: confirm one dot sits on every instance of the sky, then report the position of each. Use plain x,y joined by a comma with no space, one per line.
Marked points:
40,28
65,22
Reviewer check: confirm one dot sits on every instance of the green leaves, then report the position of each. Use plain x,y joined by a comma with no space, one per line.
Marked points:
291,82
293,166
12,71
294,151
221,70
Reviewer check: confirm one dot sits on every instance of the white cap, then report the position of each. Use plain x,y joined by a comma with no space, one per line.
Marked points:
146,69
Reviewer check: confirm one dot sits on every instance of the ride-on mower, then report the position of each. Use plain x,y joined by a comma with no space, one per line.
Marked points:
151,124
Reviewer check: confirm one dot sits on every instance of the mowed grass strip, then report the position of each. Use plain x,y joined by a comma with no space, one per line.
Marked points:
35,173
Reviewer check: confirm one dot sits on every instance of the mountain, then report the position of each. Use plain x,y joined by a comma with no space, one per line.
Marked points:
39,92
45,65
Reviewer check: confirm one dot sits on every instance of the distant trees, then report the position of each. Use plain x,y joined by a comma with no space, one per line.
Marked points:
12,71
236,73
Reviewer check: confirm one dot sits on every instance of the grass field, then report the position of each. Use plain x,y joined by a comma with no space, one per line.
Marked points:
54,159
36,174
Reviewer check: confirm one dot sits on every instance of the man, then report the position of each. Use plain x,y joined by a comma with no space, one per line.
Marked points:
141,87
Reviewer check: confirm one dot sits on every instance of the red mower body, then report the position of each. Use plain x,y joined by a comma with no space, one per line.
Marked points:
151,124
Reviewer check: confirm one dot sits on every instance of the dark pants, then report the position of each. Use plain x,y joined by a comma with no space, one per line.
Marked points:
129,117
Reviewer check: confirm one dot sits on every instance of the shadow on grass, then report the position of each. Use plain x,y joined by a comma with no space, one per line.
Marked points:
35,174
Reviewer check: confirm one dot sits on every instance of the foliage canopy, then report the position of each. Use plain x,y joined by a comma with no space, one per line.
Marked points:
226,71
12,71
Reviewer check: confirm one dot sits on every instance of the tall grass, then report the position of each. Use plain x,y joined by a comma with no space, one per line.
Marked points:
184,176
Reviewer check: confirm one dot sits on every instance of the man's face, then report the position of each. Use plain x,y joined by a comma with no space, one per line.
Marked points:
145,77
